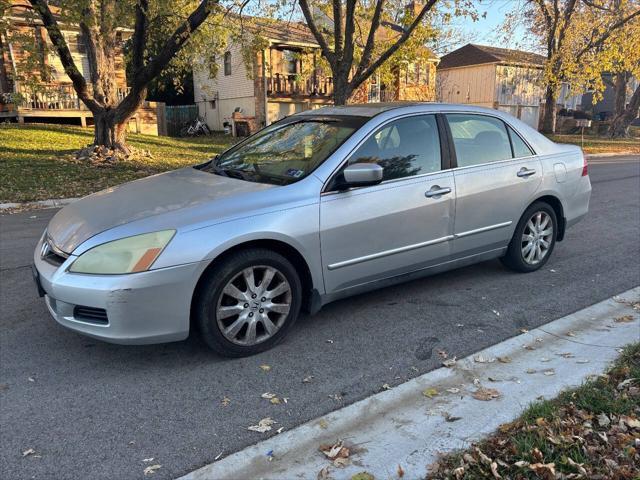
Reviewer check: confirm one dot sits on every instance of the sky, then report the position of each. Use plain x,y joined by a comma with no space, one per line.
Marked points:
485,30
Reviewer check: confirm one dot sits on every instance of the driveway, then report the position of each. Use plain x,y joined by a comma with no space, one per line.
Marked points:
93,410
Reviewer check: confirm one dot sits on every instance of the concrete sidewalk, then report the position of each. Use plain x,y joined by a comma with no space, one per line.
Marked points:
437,412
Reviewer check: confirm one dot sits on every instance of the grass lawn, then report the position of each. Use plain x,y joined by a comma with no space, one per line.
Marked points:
36,161
593,144
590,432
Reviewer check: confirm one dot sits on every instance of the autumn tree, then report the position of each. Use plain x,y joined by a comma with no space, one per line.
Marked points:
358,37
573,33
159,30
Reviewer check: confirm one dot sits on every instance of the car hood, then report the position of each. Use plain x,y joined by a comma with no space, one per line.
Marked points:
155,195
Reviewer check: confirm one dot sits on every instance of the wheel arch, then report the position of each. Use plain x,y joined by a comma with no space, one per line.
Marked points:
555,203
310,296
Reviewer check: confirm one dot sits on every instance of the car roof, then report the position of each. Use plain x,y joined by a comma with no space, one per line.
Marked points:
373,109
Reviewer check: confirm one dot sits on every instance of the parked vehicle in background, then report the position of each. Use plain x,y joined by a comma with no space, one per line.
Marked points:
319,206
195,128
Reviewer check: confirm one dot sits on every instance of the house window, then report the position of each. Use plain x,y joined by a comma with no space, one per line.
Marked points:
227,63
289,62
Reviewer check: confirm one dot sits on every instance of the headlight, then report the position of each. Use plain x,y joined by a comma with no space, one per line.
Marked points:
127,255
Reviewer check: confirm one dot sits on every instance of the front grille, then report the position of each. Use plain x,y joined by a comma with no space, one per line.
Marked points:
54,259
51,254
90,315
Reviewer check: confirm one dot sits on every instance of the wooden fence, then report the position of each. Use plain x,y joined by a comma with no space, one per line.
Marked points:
173,118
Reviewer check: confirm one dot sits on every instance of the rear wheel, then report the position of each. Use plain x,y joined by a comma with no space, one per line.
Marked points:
533,240
248,302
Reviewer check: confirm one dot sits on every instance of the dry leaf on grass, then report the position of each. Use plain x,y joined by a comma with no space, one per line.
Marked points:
494,470
151,469
263,425
486,394
544,470
577,466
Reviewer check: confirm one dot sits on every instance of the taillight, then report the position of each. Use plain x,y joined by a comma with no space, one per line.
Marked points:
585,166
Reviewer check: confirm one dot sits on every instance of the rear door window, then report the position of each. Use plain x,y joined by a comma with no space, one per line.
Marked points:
479,139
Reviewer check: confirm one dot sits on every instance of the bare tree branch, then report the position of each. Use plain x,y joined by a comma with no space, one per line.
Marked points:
368,49
322,41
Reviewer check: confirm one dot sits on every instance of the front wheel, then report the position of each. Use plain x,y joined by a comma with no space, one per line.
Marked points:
248,302
533,240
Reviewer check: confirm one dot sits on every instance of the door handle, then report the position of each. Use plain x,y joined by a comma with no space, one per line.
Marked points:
437,191
524,172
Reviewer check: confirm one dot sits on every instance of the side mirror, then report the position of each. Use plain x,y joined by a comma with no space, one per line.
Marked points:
362,174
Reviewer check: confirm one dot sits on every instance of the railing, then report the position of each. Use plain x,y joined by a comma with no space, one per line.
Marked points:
290,85
55,97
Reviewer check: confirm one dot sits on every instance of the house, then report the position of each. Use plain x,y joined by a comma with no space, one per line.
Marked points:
500,78
35,88
286,76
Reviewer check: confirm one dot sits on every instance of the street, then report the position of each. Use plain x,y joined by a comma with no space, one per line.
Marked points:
93,410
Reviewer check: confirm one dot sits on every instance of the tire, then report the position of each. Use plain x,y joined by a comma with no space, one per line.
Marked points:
227,311
519,256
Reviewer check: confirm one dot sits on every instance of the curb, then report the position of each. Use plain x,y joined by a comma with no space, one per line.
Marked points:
596,156
403,427
51,203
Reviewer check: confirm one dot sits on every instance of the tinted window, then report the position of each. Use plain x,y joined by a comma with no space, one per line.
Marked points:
405,147
520,149
479,139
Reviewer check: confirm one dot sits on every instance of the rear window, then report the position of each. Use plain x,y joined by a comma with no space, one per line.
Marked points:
479,139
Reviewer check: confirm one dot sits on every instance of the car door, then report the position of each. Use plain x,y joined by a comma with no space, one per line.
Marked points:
496,175
402,224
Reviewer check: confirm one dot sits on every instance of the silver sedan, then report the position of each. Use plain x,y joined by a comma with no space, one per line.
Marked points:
321,205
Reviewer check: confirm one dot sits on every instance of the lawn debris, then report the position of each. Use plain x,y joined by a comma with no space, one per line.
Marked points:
450,362
430,392
265,368
504,359
29,451
307,379
591,432
483,359
400,471
225,401
624,319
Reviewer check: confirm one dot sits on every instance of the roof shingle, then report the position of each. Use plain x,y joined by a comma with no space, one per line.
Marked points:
472,54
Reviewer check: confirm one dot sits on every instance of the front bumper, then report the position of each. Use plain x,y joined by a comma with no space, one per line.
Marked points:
140,308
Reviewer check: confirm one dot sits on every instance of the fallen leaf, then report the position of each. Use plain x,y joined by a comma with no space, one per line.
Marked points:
494,470
566,355
458,472
307,379
624,319
268,395
450,362
450,418
386,387
336,396
483,359
265,368
323,474
459,324
631,422
570,334
151,469
147,460
28,452
400,471
549,372
323,423
523,330
442,354
31,379
545,360
263,425
453,390
275,401
218,456
329,341
544,470
504,359
363,476
496,312
531,370
582,361
521,464
430,392
225,401
337,453
603,420
486,394
577,466
280,430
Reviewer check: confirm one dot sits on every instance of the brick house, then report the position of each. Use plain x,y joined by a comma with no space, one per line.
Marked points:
27,96
285,77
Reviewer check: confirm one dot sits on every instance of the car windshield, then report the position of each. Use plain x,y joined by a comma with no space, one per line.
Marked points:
287,151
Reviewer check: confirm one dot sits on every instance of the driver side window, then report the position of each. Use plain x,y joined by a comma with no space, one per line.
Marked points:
403,148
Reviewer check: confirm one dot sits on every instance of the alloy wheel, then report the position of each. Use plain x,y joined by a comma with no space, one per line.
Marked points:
537,237
253,305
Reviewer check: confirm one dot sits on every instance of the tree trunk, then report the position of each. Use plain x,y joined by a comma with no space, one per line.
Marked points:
341,91
620,124
109,133
549,119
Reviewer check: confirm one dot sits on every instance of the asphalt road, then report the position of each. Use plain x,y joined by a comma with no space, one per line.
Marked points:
94,410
